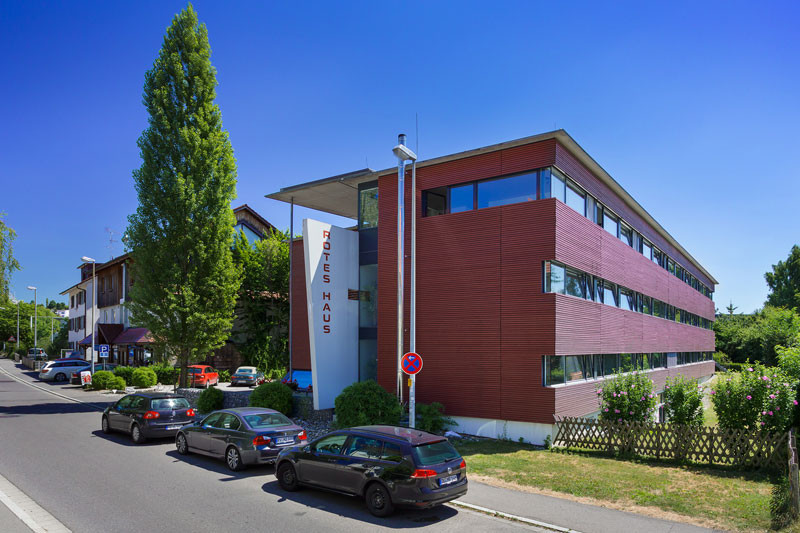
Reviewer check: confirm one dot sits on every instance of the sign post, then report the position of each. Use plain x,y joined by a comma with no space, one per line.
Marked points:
412,364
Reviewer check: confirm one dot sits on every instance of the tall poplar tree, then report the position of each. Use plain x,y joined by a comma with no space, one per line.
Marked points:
184,280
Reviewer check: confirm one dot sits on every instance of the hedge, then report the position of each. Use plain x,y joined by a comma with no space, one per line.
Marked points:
210,400
144,377
366,403
274,395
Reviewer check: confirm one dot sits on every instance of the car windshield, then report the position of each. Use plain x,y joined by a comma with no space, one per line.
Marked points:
267,420
169,403
435,453
194,370
246,371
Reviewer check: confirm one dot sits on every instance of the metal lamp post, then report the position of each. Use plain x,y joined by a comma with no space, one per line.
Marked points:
35,319
403,154
86,259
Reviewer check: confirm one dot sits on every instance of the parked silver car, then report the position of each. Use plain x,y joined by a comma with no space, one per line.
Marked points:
61,370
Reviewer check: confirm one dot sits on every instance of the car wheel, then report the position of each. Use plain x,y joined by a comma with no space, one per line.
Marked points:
379,502
136,434
233,459
60,377
181,444
287,477
104,425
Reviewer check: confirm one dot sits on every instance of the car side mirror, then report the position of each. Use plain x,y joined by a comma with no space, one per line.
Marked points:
307,448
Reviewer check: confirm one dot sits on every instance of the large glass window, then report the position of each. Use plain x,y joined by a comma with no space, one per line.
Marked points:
659,308
598,290
462,198
576,198
610,294
367,359
368,296
575,367
610,364
435,202
626,234
575,283
625,362
647,305
558,185
647,249
627,299
610,223
505,191
368,208
553,370
554,277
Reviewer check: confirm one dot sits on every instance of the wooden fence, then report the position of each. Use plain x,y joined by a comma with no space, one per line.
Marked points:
699,444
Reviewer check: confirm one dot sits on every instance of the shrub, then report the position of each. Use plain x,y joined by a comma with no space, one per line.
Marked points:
627,398
102,379
273,395
683,401
125,372
117,383
365,403
431,418
780,505
759,397
210,400
224,376
144,377
166,374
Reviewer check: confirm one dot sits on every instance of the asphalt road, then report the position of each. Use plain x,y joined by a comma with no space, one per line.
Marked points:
53,450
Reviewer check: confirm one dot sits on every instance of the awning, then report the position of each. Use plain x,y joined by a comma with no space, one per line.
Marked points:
134,336
87,341
107,333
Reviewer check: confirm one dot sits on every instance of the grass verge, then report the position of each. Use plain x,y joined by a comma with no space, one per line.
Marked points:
708,496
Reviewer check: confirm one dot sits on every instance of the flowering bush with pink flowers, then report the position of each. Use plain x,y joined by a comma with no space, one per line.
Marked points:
683,401
758,397
627,398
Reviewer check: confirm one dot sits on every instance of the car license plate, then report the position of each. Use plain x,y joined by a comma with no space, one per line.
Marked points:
168,428
284,440
447,480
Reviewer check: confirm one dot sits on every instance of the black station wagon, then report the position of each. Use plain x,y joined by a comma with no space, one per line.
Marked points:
389,466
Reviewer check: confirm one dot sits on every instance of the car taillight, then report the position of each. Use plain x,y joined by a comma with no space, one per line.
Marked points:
423,473
302,435
45,370
261,440
149,415
190,412
463,464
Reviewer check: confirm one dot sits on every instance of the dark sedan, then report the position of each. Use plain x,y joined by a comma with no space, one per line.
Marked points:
148,415
242,436
386,465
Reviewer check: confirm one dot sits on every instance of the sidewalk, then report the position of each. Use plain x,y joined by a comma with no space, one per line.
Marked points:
569,514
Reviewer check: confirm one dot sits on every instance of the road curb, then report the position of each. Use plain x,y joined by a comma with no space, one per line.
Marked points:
515,518
15,378
31,513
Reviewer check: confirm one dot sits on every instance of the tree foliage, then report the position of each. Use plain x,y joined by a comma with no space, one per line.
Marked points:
784,281
7,262
263,303
8,327
184,279
627,398
683,401
754,337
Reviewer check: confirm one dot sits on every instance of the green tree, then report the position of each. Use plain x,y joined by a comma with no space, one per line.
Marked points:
263,304
784,281
731,308
754,337
180,237
7,262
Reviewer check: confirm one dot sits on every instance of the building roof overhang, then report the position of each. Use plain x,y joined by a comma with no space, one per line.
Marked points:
338,195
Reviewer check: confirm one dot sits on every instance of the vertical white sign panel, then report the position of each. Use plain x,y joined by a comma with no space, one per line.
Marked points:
331,257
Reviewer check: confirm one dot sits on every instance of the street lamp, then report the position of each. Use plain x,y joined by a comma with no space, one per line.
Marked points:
35,319
403,154
86,259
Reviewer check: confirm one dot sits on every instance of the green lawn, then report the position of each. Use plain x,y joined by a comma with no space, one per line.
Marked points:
710,496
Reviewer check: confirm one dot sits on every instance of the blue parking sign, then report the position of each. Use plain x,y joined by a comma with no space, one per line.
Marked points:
102,351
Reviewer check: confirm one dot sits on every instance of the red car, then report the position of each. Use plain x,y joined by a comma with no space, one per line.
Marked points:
202,376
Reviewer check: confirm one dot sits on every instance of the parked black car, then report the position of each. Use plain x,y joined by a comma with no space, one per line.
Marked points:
147,415
389,466
242,436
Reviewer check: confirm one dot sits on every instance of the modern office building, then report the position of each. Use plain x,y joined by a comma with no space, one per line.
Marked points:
538,276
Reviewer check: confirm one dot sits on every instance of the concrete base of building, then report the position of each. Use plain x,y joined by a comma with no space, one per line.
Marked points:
530,432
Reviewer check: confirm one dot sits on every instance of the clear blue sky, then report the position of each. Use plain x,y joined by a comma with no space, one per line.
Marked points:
692,107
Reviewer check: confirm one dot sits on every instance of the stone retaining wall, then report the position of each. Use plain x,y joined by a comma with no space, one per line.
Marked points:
302,404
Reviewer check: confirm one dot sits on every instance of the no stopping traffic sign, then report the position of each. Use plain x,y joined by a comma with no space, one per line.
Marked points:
411,363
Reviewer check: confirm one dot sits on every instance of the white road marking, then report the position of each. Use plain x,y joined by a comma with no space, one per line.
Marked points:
15,378
515,518
27,510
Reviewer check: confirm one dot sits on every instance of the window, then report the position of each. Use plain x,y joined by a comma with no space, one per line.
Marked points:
575,367
610,294
434,202
462,198
610,223
575,283
626,234
364,447
368,208
625,362
610,364
72,301
670,266
506,191
553,370
554,277
647,249
591,207
627,299
598,290
576,198
658,257
391,452
330,445
658,308
557,185
434,453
